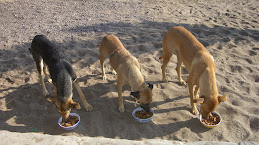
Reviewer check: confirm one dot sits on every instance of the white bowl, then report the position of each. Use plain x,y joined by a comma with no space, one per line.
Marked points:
211,126
71,127
142,120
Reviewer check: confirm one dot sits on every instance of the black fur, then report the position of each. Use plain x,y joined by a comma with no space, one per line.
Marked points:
150,86
135,94
146,107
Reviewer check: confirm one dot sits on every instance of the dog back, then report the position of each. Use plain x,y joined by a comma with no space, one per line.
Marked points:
63,80
109,45
184,43
42,47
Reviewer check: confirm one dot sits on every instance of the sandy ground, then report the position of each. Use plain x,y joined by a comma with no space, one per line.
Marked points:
228,29
43,139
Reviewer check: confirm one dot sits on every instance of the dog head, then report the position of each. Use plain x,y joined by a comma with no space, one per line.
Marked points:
209,105
63,107
144,96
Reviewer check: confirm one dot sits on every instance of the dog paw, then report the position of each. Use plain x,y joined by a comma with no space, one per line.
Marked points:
195,112
114,72
164,80
88,107
183,83
45,93
104,77
49,98
49,80
121,109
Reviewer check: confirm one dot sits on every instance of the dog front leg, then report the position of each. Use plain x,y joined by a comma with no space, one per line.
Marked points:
190,86
87,106
119,89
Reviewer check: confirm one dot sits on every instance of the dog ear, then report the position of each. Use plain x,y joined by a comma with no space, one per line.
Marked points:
74,105
51,99
150,86
135,94
222,98
198,100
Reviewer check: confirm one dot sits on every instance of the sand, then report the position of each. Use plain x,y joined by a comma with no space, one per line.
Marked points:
43,139
228,29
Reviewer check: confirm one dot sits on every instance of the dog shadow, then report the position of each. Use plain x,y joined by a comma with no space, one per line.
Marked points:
31,112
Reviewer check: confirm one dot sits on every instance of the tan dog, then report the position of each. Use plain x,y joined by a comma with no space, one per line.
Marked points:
128,71
200,65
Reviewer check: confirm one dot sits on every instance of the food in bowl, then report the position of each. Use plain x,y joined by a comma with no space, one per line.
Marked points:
72,120
142,114
212,121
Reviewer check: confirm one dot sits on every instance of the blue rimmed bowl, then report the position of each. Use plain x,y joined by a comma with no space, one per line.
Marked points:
71,127
142,120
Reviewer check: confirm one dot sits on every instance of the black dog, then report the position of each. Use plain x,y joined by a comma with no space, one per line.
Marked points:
47,55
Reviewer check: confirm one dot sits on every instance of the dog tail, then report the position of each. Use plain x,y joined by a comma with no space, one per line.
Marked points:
161,57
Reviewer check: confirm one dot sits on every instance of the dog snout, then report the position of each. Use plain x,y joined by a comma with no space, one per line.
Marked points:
146,107
205,115
65,116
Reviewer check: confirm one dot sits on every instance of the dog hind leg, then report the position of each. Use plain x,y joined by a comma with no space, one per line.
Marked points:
178,70
45,72
167,54
166,59
114,72
41,76
102,59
